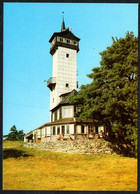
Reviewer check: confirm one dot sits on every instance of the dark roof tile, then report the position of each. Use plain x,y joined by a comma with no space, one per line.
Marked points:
65,34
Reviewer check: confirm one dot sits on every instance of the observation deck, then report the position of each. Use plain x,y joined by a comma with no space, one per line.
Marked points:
51,83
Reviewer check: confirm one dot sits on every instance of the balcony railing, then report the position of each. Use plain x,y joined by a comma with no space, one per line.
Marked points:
51,83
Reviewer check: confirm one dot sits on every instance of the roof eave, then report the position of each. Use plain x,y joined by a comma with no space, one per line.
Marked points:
61,34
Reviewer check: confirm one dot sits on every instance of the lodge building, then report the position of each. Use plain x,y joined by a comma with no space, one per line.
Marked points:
63,84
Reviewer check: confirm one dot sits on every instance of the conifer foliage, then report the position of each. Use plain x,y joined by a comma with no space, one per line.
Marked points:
14,134
112,96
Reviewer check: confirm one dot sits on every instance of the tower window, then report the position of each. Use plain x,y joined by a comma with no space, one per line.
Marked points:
61,39
67,55
67,85
68,41
75,42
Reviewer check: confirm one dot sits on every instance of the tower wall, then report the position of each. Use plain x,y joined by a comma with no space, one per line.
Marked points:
65,73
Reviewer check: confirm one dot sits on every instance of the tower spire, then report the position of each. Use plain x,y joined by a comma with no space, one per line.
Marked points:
63,23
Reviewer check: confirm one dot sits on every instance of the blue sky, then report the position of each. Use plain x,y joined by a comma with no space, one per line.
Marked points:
27,62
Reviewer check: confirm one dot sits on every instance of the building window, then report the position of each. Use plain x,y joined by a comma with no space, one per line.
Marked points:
45,131
75,42
82,128
97,130
61,39
90,129
67,55
67,112
67,85
55,115
53,130
51,117
68,41
63,130
58,130
60,113
68,130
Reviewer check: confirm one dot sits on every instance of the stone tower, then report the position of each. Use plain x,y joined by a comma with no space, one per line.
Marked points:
64,48
63,123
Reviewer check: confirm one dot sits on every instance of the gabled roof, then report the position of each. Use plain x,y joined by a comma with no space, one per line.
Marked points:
66,100
65,34
65,94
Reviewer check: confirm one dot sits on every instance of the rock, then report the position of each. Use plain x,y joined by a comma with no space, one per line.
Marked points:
78,146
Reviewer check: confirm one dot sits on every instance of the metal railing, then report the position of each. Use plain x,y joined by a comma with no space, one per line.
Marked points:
51,80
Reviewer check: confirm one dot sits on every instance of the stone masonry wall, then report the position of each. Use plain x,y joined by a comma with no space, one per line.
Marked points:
82,147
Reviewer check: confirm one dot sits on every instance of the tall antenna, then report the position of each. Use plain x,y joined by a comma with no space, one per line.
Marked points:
63,23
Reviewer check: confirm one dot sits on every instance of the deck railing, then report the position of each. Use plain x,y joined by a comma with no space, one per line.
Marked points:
51,80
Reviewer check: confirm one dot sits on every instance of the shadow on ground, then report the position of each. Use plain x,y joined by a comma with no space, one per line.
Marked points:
14,153
122,148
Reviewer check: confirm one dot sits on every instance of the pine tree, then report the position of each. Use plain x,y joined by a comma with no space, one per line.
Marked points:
14,134
112,96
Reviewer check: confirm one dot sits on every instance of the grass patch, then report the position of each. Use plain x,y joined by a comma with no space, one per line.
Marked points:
32,169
